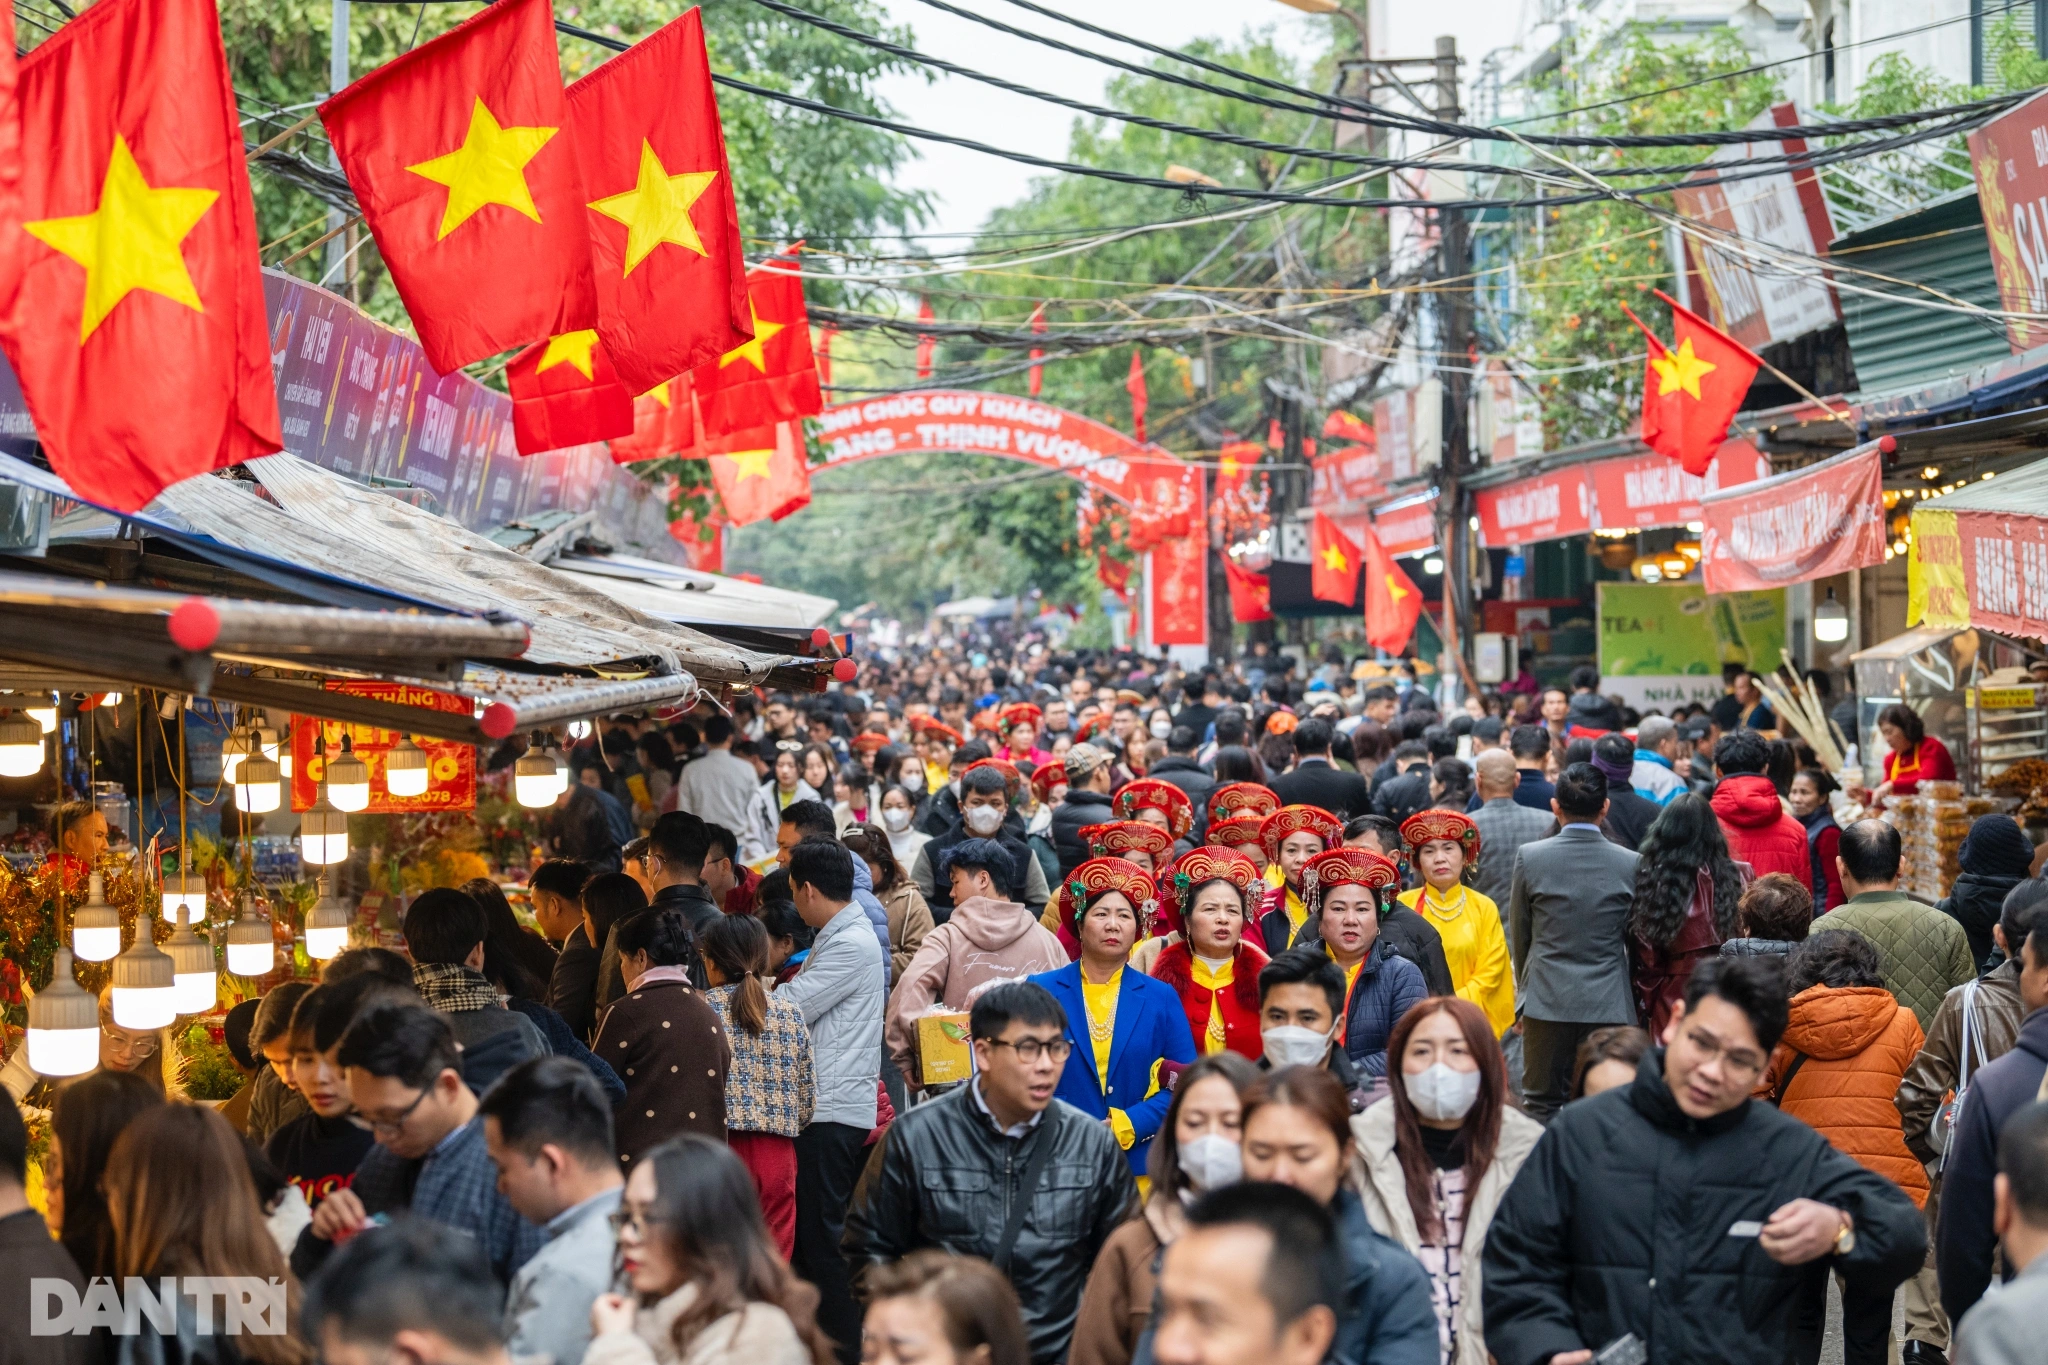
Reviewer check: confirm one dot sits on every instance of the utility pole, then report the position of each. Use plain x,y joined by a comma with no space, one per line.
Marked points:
1454,364
337,79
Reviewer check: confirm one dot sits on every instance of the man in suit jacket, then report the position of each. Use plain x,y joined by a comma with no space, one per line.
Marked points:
1505,825
1316,781
1568,922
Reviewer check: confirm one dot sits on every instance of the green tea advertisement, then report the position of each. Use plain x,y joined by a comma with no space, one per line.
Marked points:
1663,645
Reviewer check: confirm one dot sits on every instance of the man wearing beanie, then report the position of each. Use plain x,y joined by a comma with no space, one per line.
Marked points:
1629,816
1996,856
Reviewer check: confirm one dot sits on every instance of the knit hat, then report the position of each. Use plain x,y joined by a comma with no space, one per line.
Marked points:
1996,847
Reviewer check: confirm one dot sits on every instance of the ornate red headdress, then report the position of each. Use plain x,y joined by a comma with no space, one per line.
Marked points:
1019,711
1199,865
1115,838
1238,829
944,731
986,722
1347,867
869,742
1053,774
1092,727
1097,877
1282,723
1242,798
1012,779
1425,826
1273,831
1150,793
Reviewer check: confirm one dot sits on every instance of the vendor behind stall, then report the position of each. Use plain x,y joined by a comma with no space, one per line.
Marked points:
1914,756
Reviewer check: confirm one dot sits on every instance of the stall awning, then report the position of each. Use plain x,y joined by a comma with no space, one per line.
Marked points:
1980,556
691,597
1824,519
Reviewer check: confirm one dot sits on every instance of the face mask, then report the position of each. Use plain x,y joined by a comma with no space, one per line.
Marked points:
954,786
1161,728
897,819
1443,1093
1212,1161
1292,1045
914,781
984,820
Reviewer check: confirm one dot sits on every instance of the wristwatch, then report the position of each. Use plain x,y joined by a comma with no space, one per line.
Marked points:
1845,1240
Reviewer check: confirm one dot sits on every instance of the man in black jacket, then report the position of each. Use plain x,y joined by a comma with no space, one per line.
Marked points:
984,814
556,888
1316,781
953,1173
1680,1211
1087,803
1179,767
676,849
1409,793
1589,710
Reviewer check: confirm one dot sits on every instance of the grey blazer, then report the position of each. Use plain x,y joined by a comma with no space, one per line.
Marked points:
1568,926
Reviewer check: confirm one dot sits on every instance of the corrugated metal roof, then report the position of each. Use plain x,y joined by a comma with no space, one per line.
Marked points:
2020,490
1942,246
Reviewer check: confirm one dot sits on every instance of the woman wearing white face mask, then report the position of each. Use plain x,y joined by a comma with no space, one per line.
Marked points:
899,818
1197,1150
1432,1160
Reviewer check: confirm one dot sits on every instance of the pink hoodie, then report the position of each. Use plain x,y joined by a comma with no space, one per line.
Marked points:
985,942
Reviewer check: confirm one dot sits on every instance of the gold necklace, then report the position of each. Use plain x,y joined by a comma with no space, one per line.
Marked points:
1104,1030
1447,908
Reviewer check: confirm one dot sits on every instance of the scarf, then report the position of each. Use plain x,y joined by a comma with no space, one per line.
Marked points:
452,988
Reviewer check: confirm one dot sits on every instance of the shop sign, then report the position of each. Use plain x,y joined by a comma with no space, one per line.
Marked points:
1662,645
451,766
1937,592
2005,569
1347,474
2010,157
1822,520
1649,490
1786,211
1508,421
1407,530
2008,698
1543,507
1410,426
984,424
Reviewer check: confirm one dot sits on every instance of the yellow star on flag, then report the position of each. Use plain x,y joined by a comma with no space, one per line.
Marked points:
659,393
1333,559
1228,466
130,241
571,348
657,208
488,168
751,350
1680,369
1394,587
750,464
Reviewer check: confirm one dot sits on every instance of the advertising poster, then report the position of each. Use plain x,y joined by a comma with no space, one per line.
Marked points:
1663,645
451,767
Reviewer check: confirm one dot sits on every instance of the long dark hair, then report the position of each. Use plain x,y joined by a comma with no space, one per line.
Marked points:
706,1208
1164,1159
1681,841
91,1112
870,841
608,898
738,946
513,957
1235,763
1480,1133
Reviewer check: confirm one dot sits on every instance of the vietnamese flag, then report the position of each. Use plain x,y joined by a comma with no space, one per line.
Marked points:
1345,426
566,393
133,298
1037,373
1134,385
1113,573
1392,601
1234,463
1334,558
760,475
664,232
772,376
457,154
661,424
1693,387
1251,594
703,541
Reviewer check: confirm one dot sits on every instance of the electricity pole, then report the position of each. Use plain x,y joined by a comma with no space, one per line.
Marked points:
337,79
1454,364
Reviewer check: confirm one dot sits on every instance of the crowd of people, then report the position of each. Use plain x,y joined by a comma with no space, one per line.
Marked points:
1306,1023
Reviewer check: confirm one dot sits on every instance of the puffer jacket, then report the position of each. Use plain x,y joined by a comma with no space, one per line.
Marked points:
1857,1042
1759,831
1387,986
1619,1223
1383,1189
1925,953
1933,1073
1387,1316
985,942
1081,808
943,1176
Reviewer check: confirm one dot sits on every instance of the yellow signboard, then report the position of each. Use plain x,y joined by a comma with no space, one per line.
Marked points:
1935,592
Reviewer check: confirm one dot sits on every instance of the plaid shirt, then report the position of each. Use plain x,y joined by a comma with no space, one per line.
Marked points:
451,988
457,1186
771,1086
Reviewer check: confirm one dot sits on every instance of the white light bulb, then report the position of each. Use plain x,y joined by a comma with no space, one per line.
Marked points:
195,992
152,1007
63,1052
251,959
45,716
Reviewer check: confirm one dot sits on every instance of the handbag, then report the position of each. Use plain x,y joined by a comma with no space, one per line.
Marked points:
1943,1128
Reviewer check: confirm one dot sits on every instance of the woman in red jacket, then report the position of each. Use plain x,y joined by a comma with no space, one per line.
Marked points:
1215,971
1913,756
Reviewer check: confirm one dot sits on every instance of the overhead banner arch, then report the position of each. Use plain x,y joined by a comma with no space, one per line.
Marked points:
1164,493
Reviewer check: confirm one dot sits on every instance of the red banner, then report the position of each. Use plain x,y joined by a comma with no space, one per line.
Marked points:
451,767
1541,507
1348,474
2012,179
2005,569
1407,530
1825,519
1651,490
1180,591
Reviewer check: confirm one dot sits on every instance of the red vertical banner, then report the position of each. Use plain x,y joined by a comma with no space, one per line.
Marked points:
1180,558
927,344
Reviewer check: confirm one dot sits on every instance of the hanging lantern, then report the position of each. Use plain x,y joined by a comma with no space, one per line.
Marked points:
251,949
327,926
284,752
323,832
405,769
64,1022
259,785
21,747
45,716
265,735
237,747
96,927
535,779
1831,621
145,983
194,980
348,779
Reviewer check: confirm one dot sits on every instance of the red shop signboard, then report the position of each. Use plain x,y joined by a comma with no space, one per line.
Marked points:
1407,530
1542,507
2005,569
1652,490
451,767
1825,519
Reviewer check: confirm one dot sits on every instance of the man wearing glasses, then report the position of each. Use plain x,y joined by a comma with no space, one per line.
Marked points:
998,1168
405,1078
1680,1211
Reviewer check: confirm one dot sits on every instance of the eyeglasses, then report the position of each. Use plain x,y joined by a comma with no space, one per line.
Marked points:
1029,1050
622,1218
393,1125
1710,1047
138,1044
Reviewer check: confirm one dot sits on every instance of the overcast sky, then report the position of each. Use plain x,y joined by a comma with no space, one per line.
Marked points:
967,185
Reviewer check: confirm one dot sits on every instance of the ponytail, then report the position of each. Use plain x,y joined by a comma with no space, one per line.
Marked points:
750,1004
738,946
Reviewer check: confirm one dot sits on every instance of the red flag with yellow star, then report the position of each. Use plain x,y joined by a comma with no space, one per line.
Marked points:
772,377
459,154
1392,601
566,393
134,302
1693,387
1334,558
760,475
1234,463
662,423
664,231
